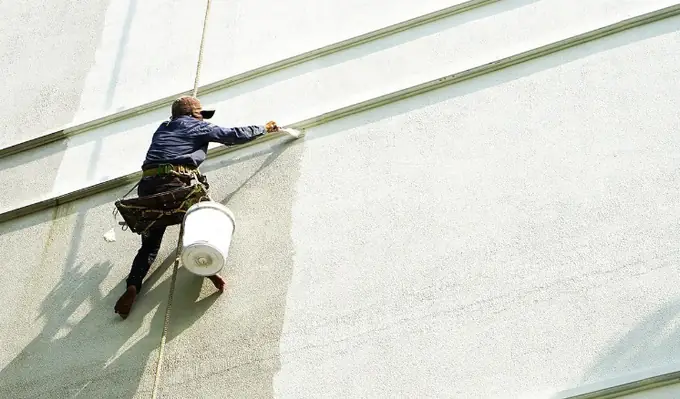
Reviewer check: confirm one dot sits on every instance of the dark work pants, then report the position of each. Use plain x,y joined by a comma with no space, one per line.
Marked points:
152,239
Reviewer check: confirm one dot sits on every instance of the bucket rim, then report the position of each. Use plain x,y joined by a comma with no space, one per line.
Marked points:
213,205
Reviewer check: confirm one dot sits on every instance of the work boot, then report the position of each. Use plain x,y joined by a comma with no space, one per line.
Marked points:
218,282
125,302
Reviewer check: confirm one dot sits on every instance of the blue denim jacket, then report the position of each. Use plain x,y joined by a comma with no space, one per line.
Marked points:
184,140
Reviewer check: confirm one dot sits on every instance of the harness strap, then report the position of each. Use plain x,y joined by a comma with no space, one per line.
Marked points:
165,169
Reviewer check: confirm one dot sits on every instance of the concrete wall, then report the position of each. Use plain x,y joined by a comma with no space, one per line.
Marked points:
450,45
71,61
510,236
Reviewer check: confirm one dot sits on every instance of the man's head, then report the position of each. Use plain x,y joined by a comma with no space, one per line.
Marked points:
188,105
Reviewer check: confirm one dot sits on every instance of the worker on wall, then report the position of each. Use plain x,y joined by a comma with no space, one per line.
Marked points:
177,149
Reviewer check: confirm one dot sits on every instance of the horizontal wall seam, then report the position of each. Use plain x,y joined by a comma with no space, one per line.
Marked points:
72,130
369,104
610,389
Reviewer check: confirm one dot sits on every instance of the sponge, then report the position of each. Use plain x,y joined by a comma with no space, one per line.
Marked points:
292,132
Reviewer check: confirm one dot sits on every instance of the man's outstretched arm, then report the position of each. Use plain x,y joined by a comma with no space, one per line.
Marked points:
238,135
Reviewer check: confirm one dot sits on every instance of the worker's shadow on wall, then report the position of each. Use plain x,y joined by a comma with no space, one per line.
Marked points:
187,308
107,360
84,349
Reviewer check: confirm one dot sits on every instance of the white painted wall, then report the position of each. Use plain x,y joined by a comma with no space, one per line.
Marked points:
450,45
137,55
531,228
46,52
510,236
149,49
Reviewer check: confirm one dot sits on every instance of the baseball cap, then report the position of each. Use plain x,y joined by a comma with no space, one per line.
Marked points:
188,105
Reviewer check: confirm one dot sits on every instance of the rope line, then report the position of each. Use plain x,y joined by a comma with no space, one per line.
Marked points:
200,51
168,309
166,322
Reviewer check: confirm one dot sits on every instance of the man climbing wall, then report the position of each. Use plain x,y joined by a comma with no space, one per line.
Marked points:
177,149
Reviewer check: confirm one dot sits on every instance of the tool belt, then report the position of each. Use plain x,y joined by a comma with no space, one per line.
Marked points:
166,208
165,169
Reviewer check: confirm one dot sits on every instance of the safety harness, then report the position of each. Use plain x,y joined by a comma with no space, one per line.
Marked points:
166,208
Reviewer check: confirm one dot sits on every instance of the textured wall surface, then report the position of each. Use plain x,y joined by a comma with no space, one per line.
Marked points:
428,52
124,53
132,56
46,52
468,242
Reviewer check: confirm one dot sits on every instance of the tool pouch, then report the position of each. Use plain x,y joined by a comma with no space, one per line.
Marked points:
160,210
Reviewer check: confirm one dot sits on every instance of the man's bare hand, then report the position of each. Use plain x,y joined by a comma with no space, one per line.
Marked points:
271,127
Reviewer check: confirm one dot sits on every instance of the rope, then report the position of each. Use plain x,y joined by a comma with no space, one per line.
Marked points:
200,51
166,322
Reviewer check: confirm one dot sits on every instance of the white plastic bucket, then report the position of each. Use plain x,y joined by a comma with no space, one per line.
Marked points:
208,228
